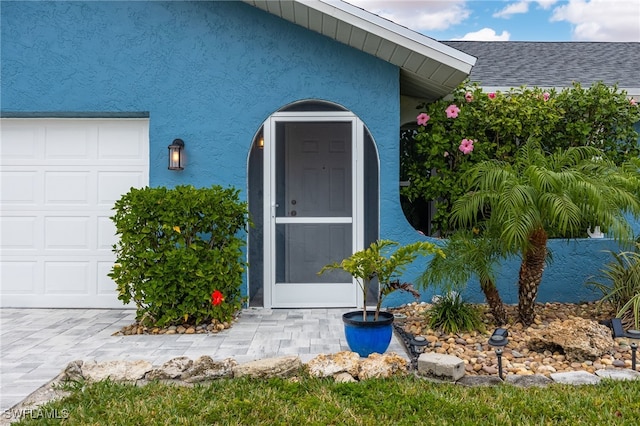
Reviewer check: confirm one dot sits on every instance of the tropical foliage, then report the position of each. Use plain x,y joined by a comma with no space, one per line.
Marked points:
179,258
542,193
455,133
380,261
468,254
451,314
619,283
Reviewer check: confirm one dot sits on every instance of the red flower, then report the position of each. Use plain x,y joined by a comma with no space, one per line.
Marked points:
216,298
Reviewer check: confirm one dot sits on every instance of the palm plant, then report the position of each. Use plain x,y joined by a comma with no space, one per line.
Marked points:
542,193
466,255
619,283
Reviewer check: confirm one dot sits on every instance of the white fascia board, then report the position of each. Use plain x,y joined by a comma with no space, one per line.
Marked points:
393,32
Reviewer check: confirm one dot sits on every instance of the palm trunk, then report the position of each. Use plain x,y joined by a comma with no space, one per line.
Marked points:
494,301
530,276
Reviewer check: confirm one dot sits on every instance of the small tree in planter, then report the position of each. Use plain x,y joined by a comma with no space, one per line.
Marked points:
179,258
370,333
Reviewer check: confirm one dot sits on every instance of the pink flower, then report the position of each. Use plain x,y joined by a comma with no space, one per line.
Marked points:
422,119
633,102
466,146
468,96
545,96
452,111
446,154
491,95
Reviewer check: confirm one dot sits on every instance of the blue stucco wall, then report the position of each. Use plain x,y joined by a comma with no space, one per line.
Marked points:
211,73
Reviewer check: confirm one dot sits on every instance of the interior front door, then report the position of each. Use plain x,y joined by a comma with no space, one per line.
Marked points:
313,199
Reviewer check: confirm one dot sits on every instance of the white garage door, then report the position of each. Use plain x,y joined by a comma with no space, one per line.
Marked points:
59,181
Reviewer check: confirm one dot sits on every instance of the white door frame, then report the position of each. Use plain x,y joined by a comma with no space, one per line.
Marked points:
271,299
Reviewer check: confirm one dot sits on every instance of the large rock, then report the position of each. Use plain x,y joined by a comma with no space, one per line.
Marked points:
382,366
441,366
205,368
117,371
579,339
333,364
172,369
271,367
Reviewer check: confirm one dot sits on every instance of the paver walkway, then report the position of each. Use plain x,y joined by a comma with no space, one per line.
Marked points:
36,344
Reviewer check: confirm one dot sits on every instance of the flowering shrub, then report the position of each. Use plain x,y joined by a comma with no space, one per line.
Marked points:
455,133
179,257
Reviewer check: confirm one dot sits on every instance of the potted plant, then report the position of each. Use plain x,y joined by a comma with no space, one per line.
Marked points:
370,331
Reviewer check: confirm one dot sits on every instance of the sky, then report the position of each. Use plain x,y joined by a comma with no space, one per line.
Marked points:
514,20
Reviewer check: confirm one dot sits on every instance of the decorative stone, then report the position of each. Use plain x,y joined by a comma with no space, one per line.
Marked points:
445,367
626,374
575,378
117,371
524,381
382,366
479,381
333,364
271,367
344,378
580,339
171,369
205,368
73,371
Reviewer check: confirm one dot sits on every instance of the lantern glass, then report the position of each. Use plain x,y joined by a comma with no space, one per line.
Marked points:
176,155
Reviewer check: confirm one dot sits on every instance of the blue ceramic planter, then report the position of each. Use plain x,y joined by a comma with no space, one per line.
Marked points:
367,337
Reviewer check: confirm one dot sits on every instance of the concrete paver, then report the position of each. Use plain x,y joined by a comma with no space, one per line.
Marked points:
36,344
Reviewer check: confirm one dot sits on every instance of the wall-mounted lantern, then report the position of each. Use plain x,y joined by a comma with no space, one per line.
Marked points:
176,155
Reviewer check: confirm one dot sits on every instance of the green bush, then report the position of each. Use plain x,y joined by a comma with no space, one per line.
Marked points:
177,247
619,282
470,126
451,314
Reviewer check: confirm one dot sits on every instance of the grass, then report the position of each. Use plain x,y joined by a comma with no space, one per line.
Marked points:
307,401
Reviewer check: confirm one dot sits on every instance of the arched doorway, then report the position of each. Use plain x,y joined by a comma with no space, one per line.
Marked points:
313,199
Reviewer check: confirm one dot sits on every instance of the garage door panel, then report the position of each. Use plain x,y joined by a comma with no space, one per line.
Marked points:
19,187
112,184
123,141
69,141
21,144
60,180
64,233
105,284
68,188
67,277
20,232
106,234
19,277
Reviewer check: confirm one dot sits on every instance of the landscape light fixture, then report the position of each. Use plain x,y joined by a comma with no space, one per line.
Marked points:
633,335
419,343
498,340
176,155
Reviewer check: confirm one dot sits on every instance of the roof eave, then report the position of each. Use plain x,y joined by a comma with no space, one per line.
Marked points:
428,68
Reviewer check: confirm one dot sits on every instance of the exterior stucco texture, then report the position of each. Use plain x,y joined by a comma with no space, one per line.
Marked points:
210,73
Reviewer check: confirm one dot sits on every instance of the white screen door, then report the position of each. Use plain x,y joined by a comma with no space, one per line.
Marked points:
312,168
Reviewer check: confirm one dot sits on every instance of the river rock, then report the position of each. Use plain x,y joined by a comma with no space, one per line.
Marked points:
580,339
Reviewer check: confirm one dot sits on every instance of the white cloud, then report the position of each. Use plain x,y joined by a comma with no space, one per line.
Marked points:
601,20
513,9
485,34
419,15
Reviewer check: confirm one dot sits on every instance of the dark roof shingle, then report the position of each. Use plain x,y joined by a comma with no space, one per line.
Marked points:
552,64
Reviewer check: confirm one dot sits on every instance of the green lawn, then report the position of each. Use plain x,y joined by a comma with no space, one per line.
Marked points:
402,401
